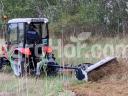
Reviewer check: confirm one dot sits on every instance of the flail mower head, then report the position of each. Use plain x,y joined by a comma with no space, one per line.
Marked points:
27,50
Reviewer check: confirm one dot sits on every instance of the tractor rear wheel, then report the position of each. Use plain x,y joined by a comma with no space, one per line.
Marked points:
3,62
51,70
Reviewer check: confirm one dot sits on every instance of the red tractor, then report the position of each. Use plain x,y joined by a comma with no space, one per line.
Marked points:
27,50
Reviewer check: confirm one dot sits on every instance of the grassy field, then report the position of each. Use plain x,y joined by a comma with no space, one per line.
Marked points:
116,83
30,86
63,85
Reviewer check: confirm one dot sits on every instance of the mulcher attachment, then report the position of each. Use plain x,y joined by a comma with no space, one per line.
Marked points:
83,71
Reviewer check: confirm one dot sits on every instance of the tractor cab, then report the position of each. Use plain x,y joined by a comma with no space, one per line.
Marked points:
17,31
26,39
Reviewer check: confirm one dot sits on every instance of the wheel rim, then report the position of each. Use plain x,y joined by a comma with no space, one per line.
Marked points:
16,66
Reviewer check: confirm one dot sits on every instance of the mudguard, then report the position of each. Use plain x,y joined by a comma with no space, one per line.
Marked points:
25,51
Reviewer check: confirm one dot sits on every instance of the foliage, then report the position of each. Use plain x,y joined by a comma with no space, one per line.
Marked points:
62,13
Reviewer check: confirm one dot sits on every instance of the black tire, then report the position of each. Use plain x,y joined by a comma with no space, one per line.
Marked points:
1,63
51,70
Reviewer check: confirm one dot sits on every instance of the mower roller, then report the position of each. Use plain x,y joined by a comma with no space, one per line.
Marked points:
22,39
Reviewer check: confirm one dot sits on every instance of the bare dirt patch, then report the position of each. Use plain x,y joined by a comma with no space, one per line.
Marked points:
114,83
117,88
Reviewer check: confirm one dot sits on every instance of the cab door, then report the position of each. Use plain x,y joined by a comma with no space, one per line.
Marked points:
14,37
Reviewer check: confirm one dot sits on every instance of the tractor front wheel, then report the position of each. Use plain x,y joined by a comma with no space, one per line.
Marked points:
18,67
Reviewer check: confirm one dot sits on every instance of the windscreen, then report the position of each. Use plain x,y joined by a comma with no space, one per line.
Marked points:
38,29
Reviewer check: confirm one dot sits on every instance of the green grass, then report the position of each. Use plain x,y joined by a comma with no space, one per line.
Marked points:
52,86
85,54
29,86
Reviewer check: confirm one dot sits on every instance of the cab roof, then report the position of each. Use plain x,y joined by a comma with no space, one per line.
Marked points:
28,20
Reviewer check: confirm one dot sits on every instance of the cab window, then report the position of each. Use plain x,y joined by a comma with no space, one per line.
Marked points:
20,32
12,32
44,31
